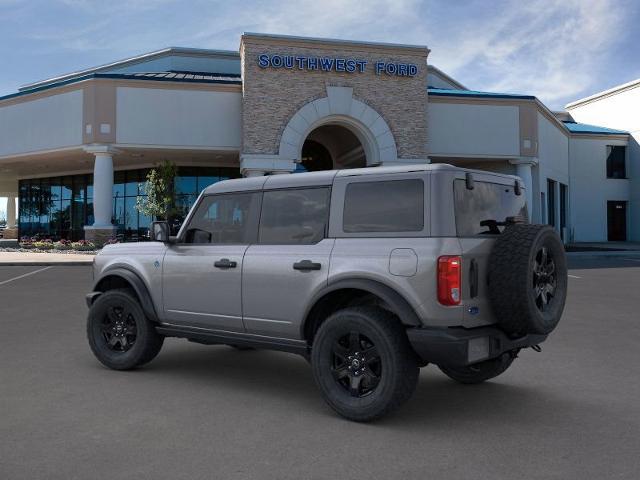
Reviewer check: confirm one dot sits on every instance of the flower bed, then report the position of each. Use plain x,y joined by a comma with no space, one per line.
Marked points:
46,245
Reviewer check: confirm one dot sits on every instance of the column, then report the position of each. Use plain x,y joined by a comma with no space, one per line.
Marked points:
102,228
11,212
524,171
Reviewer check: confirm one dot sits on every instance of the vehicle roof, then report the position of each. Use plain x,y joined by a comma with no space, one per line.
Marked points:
326,177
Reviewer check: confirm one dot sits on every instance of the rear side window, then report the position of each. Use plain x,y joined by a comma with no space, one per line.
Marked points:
386,206
296,216
487,201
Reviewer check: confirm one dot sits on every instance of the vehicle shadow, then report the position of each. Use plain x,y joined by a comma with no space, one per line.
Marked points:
437,402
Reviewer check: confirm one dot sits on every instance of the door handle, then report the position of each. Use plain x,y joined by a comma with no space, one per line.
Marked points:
306,265
225,263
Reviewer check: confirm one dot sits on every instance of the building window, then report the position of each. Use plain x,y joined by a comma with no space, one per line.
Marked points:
60,207
563,206
616,161
551,202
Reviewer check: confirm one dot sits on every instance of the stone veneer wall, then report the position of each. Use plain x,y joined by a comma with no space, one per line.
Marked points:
271,96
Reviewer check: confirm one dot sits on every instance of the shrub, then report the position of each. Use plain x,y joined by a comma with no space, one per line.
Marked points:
83,245
62,245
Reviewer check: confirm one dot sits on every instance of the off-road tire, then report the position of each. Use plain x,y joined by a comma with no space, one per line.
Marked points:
397,368
145,345
514,274
479,372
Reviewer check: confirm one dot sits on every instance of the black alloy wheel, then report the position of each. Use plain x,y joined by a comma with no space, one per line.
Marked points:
357,366
544,279
119,328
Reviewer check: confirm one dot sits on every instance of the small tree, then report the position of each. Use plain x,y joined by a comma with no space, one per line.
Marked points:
160,199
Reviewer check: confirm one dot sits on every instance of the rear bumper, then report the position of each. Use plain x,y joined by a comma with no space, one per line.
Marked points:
461,347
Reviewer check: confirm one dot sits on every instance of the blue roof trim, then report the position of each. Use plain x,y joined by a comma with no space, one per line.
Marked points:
226,79
575,127
445,92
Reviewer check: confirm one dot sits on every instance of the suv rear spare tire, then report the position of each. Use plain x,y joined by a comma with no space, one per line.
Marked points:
528,279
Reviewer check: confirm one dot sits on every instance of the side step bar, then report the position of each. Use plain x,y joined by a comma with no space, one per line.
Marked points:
216,337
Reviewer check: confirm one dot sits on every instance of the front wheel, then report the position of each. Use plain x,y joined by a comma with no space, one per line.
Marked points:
120,335
479,372
363,363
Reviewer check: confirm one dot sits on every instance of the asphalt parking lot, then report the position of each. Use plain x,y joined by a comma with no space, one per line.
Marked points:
199,412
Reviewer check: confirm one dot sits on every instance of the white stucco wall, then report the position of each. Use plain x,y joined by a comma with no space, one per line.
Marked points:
43,124
553,163
620,110
190,118
463,129
590,189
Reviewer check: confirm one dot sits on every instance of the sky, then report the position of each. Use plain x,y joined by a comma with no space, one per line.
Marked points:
558,50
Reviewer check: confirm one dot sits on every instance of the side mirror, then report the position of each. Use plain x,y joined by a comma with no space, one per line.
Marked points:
160,232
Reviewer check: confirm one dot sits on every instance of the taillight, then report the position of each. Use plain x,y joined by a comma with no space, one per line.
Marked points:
449,281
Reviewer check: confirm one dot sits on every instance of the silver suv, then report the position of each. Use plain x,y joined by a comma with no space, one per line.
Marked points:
368,273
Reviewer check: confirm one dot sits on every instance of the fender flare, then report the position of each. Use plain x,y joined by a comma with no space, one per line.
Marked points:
400,306
138,285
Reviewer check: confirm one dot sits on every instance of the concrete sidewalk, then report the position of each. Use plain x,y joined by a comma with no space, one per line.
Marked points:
37,259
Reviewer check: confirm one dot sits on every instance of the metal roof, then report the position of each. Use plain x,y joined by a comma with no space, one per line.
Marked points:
131,61
575,127
187,77
445,92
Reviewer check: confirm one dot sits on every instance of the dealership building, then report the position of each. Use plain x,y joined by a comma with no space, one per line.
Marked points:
75,149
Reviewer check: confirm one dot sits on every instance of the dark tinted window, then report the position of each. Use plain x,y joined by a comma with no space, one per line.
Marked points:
388,206
296,216
224,219
487,201
616,167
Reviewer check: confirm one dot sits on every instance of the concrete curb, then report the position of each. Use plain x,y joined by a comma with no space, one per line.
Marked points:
616,253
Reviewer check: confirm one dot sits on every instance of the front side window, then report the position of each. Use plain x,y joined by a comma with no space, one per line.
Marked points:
616,163
296,216
385,206
224,219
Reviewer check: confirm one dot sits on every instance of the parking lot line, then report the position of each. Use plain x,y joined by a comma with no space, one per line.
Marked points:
573,276
25,275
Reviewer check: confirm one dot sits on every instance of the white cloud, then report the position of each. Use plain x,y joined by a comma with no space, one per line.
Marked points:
553,49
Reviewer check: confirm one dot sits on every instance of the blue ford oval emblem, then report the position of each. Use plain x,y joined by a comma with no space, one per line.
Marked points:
156,264
474,310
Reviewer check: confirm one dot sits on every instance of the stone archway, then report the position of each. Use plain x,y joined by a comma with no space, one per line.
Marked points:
340,109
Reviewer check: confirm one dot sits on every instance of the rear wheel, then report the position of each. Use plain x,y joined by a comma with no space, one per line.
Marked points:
120,335
479,372
363,363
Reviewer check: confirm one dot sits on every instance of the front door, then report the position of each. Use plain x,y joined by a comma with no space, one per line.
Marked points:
290,262
617,221
202,272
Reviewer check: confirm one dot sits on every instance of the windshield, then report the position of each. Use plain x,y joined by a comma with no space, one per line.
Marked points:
487,201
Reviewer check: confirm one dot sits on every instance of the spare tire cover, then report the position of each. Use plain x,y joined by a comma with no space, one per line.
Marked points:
527,279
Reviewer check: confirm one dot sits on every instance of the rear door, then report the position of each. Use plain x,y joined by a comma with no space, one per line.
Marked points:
289,263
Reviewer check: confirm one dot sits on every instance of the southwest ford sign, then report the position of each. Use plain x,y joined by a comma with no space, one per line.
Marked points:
334,64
